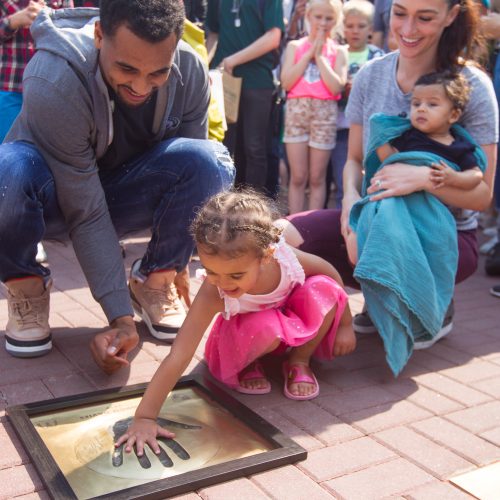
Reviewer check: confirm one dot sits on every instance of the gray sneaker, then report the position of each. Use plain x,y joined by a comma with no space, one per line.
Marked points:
445,330
160,309
27,334
362,323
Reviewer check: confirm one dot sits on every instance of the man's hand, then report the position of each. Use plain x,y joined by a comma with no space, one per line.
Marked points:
25,17
110,348
181,282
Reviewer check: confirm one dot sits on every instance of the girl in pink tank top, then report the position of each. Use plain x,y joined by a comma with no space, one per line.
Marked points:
314,73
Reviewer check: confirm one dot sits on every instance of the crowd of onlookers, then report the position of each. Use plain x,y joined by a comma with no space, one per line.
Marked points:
335,99
283,156
307,152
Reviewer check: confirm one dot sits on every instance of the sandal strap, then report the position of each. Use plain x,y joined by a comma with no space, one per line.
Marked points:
296,374
253,373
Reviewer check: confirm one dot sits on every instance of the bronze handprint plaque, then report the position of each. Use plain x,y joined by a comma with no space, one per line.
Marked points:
71,442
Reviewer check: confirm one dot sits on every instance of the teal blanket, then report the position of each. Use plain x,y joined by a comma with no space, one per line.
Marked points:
407,250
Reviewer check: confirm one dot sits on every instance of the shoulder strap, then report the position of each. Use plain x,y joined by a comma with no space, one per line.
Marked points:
261,4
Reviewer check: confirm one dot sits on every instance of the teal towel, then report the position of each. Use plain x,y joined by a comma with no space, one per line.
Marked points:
407,250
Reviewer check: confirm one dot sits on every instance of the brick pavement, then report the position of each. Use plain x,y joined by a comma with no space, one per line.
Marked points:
368,435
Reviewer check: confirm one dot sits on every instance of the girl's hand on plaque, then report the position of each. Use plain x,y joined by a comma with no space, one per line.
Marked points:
136,433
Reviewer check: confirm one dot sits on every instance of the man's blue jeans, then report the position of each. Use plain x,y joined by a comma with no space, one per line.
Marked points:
159,190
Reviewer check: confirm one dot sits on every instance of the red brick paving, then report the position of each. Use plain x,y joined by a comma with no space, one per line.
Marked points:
368,435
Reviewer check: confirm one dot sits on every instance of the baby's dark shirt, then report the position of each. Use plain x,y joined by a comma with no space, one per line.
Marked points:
460,151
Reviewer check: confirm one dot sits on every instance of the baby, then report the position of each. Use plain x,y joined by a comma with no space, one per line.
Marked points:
437,102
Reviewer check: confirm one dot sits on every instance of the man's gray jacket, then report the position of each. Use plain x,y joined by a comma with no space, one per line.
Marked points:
67,115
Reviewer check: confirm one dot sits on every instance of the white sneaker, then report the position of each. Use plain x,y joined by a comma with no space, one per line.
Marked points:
27,334
486,247
445,330
160,309
41,254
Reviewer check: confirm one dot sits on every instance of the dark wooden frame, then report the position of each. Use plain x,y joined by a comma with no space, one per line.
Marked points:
285,452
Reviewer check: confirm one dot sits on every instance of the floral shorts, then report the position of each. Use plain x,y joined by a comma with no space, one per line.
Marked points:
311,120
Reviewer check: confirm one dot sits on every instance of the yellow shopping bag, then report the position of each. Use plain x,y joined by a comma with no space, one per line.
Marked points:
195,37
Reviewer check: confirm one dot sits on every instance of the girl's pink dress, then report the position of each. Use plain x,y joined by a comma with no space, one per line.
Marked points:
293,312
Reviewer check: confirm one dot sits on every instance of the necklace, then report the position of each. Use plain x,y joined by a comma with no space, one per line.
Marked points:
235,9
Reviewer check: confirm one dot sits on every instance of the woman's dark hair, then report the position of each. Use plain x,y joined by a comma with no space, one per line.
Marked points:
459,40
150,20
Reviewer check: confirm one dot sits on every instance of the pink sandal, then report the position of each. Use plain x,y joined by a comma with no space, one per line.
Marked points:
252,372
296,373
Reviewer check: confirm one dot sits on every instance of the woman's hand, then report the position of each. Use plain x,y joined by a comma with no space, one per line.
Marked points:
399,179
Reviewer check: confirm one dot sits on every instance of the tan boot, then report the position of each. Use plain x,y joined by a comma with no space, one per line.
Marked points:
27,334
161,309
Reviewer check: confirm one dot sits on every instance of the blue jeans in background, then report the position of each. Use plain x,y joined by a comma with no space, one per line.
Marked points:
159,190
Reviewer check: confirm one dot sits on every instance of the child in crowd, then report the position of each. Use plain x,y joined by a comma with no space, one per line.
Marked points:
358,26
314,73
272,299
437,102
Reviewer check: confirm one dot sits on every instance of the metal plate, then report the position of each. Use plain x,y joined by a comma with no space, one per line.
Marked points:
71,441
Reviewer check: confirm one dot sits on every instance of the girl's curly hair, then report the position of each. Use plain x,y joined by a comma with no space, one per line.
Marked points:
233,223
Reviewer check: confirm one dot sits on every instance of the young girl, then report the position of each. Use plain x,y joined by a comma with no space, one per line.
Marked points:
272,298
358,26
314,73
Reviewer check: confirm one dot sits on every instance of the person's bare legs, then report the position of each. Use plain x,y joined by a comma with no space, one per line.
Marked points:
318,163
298,158
345,338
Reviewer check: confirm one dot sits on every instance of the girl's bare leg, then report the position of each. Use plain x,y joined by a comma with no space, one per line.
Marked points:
298,158
302,355
258,383
318,163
